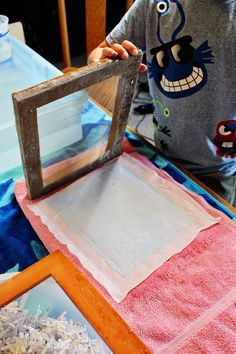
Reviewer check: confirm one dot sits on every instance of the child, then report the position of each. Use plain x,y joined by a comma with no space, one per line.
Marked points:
190,48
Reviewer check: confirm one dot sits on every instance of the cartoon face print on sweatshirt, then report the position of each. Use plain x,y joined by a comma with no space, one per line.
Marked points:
178,68
225,139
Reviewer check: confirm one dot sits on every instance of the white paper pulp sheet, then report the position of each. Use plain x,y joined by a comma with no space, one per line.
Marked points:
123,221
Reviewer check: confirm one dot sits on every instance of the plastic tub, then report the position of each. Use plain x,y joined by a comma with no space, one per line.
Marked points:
5,45
59,122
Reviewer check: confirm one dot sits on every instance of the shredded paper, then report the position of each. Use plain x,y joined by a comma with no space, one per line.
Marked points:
21,332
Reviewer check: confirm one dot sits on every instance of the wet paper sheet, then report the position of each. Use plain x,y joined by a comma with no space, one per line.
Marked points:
123,221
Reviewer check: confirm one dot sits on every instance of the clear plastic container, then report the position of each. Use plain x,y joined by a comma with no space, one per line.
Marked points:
5,44
59,122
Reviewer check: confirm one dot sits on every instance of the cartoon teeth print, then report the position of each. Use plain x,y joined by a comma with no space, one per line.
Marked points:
185,84
225,139
178,68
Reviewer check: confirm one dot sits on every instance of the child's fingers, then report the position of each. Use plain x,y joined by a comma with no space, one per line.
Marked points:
108,52
130,47
143,68
125,48
122,50
123,54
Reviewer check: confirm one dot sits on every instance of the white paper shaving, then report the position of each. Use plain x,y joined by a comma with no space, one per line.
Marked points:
21,332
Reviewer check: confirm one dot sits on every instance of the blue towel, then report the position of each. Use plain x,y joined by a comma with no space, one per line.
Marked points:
19,245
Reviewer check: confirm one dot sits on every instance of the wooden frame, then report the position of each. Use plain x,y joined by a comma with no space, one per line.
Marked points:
95,12
27,101
64,33
95,18
99,313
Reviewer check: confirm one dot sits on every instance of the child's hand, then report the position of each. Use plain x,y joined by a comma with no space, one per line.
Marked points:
123,51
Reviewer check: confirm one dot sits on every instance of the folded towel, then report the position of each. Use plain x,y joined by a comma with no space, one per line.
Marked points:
186,305
116,220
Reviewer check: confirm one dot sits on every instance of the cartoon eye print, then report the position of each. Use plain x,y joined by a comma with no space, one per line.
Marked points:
224,131
160,58
225,139
162,7
175,52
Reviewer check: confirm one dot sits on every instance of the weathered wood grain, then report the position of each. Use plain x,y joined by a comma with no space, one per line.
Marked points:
27,101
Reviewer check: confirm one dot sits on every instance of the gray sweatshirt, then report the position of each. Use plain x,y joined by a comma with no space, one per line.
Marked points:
190,47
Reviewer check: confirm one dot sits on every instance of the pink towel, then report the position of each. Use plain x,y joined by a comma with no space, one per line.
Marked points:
188,304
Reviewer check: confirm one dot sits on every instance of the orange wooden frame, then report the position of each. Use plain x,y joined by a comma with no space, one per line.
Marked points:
99,313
